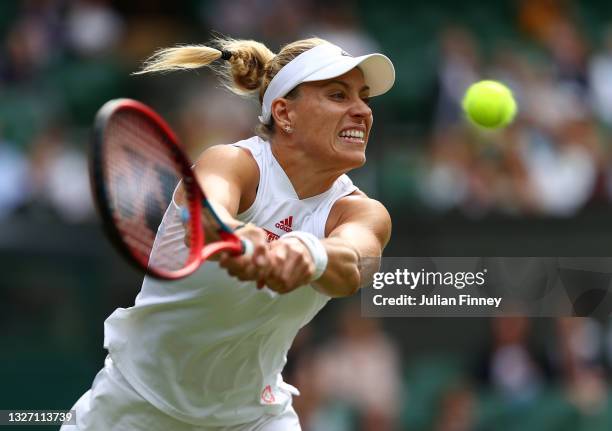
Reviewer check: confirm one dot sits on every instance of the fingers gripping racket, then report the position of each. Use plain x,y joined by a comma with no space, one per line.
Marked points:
136,164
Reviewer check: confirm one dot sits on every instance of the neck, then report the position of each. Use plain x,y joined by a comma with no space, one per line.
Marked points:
308,177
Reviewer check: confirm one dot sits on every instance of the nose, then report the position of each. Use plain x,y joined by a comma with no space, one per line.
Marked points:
360,109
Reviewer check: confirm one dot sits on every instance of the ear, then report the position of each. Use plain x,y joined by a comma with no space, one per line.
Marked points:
281,112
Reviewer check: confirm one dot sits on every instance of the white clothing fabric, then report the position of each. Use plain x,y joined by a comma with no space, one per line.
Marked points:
112,404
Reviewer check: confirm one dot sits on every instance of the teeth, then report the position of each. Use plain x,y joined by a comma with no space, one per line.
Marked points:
353,134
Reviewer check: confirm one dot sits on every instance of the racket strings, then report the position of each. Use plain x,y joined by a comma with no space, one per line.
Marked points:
142,173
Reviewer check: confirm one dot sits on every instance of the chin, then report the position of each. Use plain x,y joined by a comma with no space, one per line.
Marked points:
349,158
356,160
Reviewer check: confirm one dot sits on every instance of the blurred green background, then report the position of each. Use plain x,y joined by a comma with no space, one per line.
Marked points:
541,187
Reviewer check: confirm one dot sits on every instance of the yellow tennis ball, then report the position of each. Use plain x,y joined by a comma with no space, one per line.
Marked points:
489,104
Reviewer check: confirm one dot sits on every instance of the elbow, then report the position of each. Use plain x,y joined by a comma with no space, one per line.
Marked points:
349,280
354,273
353,282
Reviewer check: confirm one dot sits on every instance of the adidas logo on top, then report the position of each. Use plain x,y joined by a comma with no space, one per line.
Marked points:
285,224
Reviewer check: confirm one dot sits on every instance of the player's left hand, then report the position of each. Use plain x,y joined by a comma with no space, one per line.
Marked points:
290,265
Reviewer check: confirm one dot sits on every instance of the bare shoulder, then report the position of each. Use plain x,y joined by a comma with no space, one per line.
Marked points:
230,158
229,169
358,204
359,208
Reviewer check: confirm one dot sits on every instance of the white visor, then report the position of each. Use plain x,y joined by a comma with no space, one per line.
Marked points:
327,61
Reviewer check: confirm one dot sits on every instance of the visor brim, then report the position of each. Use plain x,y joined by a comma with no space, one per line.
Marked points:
378,71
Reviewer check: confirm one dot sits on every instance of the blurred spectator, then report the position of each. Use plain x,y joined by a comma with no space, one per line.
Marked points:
457,409
337,22
14,181
444,184
60,177
459,66
538,17
511,368
600,76
574,166
239,18
581,363
32,41
211,116
569,52
93,27
360,367
274,21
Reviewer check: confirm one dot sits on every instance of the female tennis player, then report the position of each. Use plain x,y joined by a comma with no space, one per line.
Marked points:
206,352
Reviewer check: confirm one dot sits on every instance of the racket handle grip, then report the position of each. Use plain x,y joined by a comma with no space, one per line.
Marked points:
247,247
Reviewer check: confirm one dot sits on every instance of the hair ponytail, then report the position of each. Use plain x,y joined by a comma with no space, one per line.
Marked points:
242,73
179,58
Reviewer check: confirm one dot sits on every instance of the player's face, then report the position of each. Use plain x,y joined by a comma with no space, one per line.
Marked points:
332,120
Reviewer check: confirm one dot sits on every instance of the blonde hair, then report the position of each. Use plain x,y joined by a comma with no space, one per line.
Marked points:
248,71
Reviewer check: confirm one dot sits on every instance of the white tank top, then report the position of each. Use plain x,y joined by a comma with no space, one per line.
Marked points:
209,349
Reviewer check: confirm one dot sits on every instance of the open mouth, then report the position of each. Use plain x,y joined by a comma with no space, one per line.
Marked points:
352,136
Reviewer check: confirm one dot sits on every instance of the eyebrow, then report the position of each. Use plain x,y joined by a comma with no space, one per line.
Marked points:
344,84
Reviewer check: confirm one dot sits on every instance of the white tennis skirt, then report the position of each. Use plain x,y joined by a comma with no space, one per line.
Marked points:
113,404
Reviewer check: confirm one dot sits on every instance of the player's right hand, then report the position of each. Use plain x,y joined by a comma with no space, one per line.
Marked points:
248,268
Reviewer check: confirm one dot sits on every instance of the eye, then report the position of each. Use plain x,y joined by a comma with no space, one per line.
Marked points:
366,100
338,96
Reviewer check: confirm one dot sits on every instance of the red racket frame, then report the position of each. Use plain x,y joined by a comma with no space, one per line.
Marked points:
199,251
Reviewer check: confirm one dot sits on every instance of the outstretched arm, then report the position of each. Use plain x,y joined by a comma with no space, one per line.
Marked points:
358,230
355,246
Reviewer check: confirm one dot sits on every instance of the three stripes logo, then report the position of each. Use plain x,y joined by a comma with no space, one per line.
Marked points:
285,224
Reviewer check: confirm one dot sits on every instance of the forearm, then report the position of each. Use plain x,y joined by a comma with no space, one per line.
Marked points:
225,215
346,270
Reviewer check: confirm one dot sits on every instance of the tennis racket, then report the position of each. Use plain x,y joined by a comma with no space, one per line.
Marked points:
136,163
